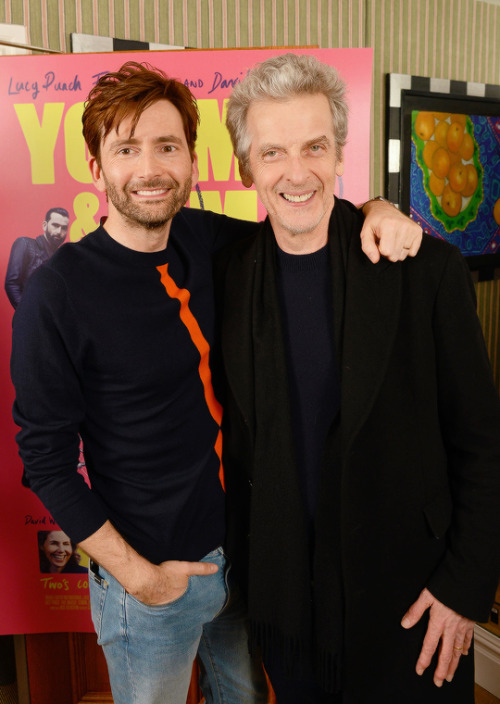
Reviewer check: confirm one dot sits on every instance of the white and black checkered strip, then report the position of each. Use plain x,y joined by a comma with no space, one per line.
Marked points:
89,43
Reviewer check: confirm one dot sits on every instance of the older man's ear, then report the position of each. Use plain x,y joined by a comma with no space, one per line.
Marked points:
246,178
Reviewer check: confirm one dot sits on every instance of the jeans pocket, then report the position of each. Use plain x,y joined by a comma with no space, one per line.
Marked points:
158,608
98,589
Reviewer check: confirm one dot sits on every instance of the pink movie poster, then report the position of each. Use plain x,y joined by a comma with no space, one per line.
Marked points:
44,167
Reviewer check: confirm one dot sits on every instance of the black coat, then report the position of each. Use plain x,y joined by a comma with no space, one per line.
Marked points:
420,459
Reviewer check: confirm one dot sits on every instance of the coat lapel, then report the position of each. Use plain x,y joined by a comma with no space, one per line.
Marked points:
236,331
372,309
252,339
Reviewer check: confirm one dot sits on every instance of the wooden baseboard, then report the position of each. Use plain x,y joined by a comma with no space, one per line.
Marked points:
487,660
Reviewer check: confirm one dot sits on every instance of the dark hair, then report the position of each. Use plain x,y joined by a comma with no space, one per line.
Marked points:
44,563
130,90
59,211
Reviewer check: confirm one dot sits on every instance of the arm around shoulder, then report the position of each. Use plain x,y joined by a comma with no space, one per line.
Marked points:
388,232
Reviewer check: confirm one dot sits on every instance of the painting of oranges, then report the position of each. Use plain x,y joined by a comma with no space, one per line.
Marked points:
449,157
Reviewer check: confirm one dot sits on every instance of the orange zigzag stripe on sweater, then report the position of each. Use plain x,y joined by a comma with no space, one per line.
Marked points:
183,296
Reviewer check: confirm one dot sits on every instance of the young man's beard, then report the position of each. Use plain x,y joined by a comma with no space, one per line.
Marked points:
152,214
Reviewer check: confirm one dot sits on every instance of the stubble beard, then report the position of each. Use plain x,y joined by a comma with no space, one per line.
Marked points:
294,226
159,213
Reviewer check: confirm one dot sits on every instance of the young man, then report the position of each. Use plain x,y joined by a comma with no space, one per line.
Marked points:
112,343
28,253
361,426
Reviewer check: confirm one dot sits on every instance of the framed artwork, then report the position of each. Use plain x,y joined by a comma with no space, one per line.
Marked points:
443,162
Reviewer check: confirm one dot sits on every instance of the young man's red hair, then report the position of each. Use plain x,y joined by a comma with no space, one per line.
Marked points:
130,90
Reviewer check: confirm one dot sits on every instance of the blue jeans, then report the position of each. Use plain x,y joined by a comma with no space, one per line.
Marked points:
150,649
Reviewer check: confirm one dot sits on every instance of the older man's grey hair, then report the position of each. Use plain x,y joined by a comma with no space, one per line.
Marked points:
282,78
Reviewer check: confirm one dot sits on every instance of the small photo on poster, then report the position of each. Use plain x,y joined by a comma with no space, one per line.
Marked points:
28,253
58,554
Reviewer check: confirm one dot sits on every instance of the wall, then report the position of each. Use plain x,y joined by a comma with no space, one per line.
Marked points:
455,39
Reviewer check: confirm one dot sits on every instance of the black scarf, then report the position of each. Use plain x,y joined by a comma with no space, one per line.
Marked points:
295,598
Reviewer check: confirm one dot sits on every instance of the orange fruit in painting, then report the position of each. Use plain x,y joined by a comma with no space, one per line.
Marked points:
467,148
428,152
441,163
472,180
424,125
496,212
441,115
451,202
436,185
455,136
458,177
461,119
440,132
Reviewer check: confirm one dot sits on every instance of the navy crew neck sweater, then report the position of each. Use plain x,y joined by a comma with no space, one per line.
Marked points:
114,345
306,299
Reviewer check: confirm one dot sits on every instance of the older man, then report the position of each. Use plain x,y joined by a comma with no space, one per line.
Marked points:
112,342
362,426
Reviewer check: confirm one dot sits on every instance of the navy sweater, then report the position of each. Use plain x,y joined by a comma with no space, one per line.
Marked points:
114,345
306,299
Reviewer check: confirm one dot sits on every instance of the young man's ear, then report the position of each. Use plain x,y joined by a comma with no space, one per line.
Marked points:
96,173
246,178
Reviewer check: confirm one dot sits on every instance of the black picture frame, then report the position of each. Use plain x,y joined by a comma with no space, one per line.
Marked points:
405,96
